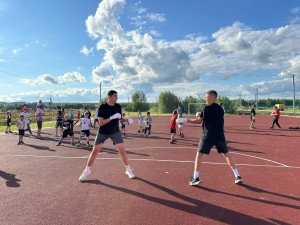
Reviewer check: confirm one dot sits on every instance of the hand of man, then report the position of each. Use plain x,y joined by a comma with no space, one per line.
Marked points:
115,116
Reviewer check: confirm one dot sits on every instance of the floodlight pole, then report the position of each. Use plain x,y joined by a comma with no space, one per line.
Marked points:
293,78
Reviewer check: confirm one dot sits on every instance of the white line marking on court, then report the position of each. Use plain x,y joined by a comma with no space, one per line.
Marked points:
152,160
216,151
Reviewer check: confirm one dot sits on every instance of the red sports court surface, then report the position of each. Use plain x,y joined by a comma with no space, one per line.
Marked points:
39,181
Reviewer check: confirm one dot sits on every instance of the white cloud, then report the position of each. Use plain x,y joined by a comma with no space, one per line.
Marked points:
296,10
133,58
84,50
60,80
16,51
71,77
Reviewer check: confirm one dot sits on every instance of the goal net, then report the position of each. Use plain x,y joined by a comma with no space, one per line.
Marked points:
193,108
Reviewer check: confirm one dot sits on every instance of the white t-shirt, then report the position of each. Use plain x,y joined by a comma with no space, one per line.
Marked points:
85,122
26,116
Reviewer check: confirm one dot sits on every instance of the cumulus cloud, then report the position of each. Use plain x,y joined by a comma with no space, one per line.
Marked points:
133,58
68,93
60,80
84,50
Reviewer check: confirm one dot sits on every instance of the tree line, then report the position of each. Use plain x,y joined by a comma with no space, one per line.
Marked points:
167,102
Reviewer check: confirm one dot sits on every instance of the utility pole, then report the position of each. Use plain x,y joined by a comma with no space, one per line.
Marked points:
257,98
293,78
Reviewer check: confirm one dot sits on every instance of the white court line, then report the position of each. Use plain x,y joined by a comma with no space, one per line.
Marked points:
153,160
268,160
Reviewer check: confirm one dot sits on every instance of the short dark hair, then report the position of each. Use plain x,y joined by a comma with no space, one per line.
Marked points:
212,92
175,112
111,93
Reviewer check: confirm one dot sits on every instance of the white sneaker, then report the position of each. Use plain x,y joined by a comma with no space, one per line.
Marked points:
84,175
87,145
78,144
130,174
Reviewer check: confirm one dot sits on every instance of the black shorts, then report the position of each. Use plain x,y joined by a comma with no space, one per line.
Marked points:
122,125
173,131
85,133
39,124
21,132
8,123
115,137
205,147
67,132
59,124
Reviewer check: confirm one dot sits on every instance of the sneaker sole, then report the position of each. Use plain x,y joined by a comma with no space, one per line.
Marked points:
195,183
239,182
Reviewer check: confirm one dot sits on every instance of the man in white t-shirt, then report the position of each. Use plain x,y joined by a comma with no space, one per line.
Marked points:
26,115
85,129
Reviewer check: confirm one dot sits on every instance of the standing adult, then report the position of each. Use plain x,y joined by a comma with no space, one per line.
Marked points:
109,115
212,119
252,116
39,114
276,114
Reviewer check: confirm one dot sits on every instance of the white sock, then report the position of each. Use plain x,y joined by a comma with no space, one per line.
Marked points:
128,168
196,174
87,169
236,172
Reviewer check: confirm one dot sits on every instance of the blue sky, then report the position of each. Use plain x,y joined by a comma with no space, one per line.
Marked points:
64,49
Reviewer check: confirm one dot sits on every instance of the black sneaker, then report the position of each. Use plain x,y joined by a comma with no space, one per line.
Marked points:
195,182
238,180
22,143
19,143
58,144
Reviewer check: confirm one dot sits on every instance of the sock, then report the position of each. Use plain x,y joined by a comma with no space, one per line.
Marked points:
87,169
128,168
196,174
236,173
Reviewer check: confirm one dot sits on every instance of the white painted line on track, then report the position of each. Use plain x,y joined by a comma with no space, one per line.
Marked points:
153,160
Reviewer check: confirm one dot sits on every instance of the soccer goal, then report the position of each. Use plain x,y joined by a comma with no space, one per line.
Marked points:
193,108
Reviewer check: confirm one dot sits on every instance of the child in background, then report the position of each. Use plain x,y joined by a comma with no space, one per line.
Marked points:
59,120
96,120
85,130
276,113
21,127
123,124
8,122
252,116
140,119
67,130
173,126
71,115
26,115
148,121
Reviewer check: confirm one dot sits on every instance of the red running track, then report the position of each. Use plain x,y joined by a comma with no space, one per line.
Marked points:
39,181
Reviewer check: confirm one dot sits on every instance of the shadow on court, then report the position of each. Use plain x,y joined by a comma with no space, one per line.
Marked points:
11,180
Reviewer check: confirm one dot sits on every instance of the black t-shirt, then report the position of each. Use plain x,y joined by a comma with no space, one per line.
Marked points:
59,115
105,111
253,113
213,123
68,125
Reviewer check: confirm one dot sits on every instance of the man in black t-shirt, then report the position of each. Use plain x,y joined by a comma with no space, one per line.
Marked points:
212,119
109,115
252,116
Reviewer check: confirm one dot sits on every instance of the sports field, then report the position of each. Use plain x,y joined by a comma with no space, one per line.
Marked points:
39,181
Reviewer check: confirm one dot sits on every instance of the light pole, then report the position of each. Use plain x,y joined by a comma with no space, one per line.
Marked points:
293,78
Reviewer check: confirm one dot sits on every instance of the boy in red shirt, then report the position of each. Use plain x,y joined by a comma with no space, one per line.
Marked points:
173,126
276,113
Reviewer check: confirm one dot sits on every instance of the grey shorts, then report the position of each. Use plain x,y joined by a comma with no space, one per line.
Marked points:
115,137
205,147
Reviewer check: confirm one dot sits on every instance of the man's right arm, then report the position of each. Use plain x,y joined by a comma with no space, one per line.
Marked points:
195,121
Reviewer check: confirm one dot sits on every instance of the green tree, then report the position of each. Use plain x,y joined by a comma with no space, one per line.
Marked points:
229,105
139,102
167,102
